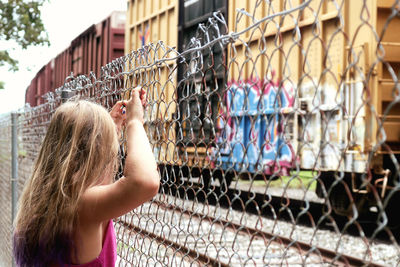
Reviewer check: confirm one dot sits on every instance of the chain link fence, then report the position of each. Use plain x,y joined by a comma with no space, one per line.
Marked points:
5,190
277,145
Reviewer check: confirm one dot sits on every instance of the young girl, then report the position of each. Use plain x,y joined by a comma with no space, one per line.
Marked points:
66,208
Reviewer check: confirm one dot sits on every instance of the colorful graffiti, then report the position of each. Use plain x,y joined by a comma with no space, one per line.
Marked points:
144,35
250,128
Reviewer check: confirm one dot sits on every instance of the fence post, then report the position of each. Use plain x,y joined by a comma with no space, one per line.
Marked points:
14,169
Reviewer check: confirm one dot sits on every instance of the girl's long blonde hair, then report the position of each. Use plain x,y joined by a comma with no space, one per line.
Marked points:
80,145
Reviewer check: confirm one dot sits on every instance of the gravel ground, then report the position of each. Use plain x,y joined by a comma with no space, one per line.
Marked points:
234,248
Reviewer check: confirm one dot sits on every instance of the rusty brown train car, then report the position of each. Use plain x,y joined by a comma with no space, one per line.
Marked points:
93,48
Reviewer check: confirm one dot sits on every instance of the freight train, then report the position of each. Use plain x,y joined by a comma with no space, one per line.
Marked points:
313,89
92,49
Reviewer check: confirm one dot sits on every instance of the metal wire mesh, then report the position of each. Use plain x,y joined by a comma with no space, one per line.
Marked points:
277,145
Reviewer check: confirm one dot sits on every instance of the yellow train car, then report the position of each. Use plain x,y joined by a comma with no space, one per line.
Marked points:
149,22
339,62
334,66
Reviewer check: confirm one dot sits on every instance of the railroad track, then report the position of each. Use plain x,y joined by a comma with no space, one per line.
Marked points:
291,252
307,213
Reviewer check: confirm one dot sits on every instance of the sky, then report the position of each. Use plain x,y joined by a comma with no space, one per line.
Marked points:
64,20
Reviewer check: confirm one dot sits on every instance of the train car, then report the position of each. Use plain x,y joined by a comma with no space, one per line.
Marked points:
323,99
335,96
40,85
198,92
319,96
149,22
30,93
95,47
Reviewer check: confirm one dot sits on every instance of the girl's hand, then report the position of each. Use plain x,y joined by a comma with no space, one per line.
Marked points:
118,114
135,105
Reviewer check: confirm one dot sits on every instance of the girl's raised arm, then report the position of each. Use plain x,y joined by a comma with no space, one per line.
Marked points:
141,179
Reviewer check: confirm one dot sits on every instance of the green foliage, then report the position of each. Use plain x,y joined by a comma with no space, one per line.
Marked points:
20,21
303,179
5,58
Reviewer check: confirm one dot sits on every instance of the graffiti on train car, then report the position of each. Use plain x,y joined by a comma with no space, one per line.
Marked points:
250,128
144,34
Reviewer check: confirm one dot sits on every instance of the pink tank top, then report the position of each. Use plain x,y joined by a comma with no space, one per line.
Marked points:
108,254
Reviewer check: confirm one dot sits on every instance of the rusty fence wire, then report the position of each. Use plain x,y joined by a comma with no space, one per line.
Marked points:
277,139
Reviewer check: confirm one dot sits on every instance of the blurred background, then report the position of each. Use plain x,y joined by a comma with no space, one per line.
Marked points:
63,20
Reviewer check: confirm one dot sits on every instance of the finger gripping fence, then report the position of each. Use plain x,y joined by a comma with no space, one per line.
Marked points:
276,134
